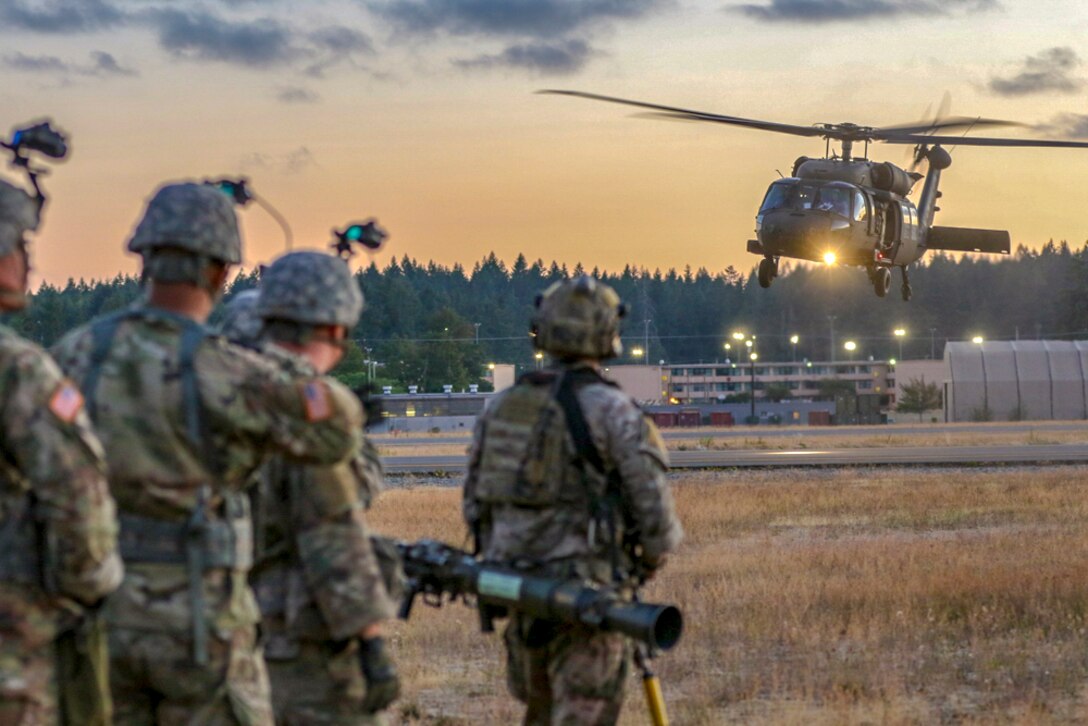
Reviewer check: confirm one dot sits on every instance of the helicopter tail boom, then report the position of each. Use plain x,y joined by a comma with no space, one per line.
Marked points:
965,239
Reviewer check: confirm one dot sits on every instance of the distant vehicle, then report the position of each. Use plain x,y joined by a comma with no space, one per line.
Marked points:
853,211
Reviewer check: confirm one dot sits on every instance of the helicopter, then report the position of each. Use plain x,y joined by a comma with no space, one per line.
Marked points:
843,209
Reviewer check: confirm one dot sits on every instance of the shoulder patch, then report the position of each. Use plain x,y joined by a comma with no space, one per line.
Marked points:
315,395
66,401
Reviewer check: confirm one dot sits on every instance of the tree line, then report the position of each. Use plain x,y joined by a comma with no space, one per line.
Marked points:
428,324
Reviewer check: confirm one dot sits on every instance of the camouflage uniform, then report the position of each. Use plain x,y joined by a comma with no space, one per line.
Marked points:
536,503
316,577
58,527
186,419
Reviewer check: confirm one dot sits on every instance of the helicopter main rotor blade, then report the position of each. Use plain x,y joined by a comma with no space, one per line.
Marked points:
983,141
690,115
952,122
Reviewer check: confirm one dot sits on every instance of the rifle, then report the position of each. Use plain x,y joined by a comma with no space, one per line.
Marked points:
436,570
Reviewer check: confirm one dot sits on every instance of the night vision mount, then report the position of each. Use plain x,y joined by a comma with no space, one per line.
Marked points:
366,234
42,138
240,193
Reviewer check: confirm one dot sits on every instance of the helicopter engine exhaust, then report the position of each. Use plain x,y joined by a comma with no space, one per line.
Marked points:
891,178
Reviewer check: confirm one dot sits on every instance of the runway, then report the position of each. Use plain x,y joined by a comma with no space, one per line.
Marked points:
1050,454
797,432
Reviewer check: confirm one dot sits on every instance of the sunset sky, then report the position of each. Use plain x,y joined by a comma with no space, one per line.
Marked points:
422,113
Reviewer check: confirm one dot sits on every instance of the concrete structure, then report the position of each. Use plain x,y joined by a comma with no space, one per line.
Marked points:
501,375
1016,380
645,384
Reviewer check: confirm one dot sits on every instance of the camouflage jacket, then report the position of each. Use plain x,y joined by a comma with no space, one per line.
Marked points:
315,572
565,529
56,505
157,470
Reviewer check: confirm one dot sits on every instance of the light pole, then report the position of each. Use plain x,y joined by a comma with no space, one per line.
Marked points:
637,352
752,358
932,343
794,340
539,360
900,333
477,326
850,347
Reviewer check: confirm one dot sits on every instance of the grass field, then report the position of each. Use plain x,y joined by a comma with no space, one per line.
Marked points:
858,596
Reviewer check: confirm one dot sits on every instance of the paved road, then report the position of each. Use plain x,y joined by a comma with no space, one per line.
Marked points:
769,432
882,456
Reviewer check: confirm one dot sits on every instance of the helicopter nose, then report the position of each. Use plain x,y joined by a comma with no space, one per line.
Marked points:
800,234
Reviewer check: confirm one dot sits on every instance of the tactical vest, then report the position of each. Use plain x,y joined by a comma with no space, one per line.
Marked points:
538,452
211,538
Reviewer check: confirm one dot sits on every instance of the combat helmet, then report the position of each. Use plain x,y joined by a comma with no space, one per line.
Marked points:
18,214
197,219
240,323
578,318
310,288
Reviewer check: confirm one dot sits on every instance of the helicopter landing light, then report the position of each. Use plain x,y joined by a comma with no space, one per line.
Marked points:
829,258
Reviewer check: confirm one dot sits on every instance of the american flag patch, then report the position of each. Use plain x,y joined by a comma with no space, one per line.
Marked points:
316,396
66,402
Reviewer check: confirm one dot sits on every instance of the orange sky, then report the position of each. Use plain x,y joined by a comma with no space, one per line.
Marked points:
436,131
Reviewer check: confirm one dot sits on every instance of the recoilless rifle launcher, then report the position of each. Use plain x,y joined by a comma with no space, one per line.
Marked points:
437,571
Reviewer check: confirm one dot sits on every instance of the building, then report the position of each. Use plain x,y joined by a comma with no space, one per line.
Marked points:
709,383
1016,380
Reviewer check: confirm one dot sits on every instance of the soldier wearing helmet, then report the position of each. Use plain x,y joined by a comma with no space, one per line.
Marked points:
58,525
566,479
316,576
186,419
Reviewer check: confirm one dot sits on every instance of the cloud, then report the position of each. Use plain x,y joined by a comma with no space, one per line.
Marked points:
1066,126
292,162
104,64
296,94
36,63
1050,71
341,39
101,64
832,11
59,16
200,35
560,58
542,19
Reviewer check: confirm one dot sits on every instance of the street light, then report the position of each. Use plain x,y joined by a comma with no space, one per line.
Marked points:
850,347
794,340
637,352
539,359
900,333
739,336
753,357
977,340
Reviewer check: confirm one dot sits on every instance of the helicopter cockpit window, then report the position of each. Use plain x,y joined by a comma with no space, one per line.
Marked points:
861,209
834,199
777,196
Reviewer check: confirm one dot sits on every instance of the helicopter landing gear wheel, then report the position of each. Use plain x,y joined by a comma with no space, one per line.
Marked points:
882,281
906,289
768,270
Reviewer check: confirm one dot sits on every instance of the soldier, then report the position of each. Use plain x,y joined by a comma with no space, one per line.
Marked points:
316,576
186,419
567,479
58,527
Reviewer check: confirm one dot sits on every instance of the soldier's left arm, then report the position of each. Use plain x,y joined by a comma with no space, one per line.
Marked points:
637,451
310,419
48,434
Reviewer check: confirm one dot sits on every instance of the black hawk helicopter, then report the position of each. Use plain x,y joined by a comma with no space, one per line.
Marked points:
854,211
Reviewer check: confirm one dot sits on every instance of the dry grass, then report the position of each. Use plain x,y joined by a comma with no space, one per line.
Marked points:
866,596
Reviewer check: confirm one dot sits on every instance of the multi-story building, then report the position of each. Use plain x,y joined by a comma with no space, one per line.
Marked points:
694,383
